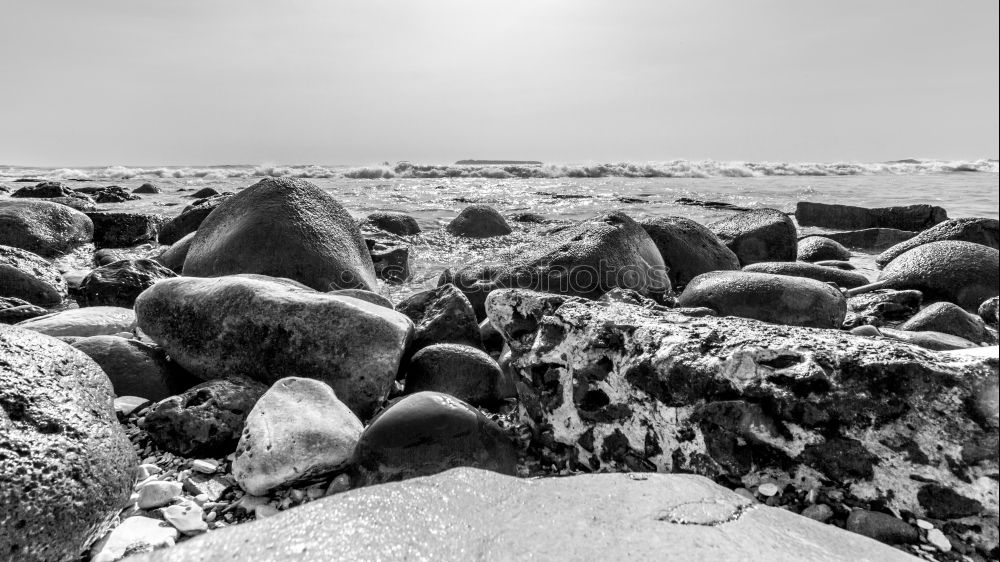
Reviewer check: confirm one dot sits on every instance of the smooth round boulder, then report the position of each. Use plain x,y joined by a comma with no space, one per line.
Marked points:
479,221
758,235
840,277
147,189
204,193
464,372
30,277
135,368
66,466
124,230
964,273
441,315
268,329
283,227
190,218
688,248
119,283
298,430
173,256
951,319
427,433
820,248
42,227
83,322
399,224
205,420
977,230
778,299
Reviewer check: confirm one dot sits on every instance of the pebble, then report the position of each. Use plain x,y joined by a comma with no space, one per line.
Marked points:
315,492
266,510
210,518
158,493
819,512
147,470
938,540
186,517
767,489
925,525
204,466
341,483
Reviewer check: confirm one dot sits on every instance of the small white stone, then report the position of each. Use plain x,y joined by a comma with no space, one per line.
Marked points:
147,470
768,489
204,466
265,510
187,517
314,492
158,493
925,525
201,499
341,483
938,540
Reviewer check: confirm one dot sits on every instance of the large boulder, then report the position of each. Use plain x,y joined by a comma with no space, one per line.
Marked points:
586,260
135,368
464,372
615,387
269,329
688,248
399,224
124,230
758,235
66,466
820,248
909,217
780,299
28,276
45,228
964,273
283,228
441,315
870,238
190,218
479,221
298,430
119,283
840,277
84,322
979,230
950,319
476,515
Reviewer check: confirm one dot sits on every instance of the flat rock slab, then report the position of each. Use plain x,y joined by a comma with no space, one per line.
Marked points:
469,514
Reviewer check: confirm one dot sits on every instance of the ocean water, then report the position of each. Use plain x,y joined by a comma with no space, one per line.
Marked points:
434,194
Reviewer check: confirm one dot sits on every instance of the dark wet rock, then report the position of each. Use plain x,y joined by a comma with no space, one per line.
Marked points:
479,221
881,306
364,295
870,238
492,339
30,277
532,218
988,311
66,466
427,433
881,527
190,218
205,420
977,230
839,277
846,266
441,315
399,224
45,228
119,283
391,261
611,386
464,372
819,248
108,256
283,228
758,235
780,299
268,329
147,189
109,194
203,193
688,248
964,273
587,259
942,502
44,190
135,368
80,203
124,230
711,204
909,217
174,255
14,310
936,341
950,319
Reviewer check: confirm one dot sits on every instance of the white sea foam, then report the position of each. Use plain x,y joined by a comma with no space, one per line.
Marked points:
667,169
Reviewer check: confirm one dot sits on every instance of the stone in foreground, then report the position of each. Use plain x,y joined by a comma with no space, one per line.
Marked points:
964,273
467,514
977,230
45,228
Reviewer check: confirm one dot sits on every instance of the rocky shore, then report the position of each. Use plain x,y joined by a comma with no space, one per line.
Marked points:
236,382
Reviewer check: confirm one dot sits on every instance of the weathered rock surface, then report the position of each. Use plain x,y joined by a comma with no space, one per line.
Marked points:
45,189
135,535
119,283
840,277
441,315
206,419
878,307
430,432
66,467
819,248
190,218
108,193
670,517
467,373
28,276
617,386
759,235
298,429
780,299
964,273
479,221
390,260
870,238
45,228
283,228
586,259
978,230
909,217
989,310
950,319
135,368
174,255
688,248
268,329
84,322
124,230
399,224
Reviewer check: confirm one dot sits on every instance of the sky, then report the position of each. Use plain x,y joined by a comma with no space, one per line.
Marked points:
185,82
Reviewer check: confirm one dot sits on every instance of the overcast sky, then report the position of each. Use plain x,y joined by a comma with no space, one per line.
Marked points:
208,82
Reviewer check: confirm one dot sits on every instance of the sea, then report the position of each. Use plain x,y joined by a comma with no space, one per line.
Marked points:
435,193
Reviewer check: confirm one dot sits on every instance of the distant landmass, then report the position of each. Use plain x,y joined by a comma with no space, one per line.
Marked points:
498,163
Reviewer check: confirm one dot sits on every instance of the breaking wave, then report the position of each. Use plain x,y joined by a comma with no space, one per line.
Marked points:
668,169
